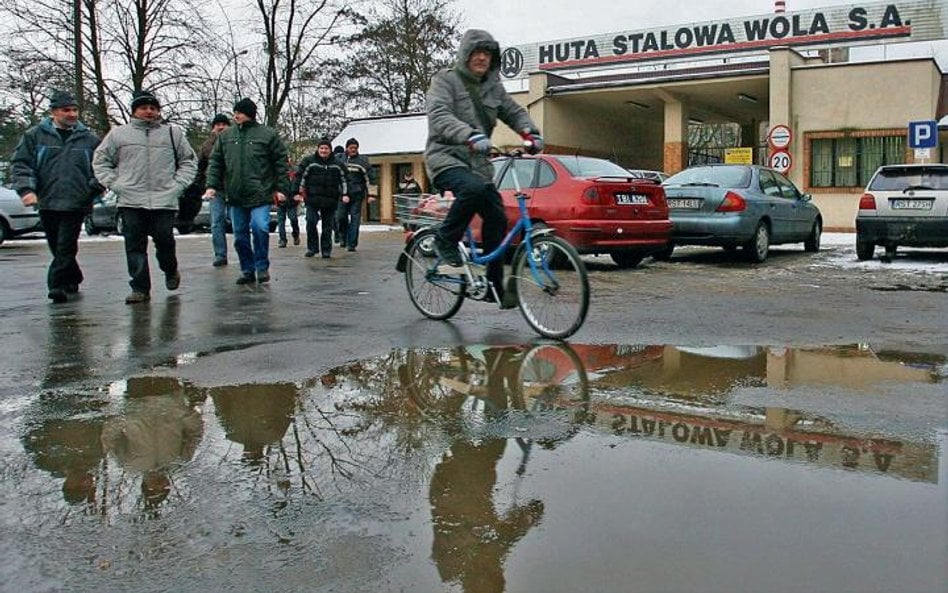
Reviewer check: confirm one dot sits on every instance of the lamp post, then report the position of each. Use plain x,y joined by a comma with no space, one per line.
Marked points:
220,77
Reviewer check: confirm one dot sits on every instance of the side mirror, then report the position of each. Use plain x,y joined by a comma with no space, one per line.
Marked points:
806,197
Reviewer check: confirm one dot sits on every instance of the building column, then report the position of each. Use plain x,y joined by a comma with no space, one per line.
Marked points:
676,134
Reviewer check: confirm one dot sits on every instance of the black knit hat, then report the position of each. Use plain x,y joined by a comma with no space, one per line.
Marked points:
140,98
351,141
62,99
324,142
220,118
247,107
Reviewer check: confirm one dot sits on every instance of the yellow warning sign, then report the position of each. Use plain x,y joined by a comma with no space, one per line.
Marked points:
739,156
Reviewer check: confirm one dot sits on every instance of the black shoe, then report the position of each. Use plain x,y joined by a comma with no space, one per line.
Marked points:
296,239
351,249
57,295
137,297
448,252
309,254
263,277
219,263
282,243
247,278
71,288
173,281
326,256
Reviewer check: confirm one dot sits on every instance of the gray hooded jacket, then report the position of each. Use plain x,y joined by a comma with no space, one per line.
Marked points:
452,114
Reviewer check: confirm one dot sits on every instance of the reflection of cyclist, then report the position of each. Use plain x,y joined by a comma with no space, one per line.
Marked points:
463,106
471,539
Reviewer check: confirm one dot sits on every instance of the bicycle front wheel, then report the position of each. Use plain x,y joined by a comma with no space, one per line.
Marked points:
436,296
553,293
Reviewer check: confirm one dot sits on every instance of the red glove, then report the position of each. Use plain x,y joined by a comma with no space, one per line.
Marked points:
532,141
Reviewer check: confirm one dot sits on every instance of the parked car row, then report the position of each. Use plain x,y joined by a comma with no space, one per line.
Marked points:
105,218
602,208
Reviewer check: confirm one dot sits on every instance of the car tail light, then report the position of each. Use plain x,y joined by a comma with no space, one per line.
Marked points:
732,203
867,202
591,195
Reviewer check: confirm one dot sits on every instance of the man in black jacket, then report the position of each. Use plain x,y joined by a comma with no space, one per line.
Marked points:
52,170
322,183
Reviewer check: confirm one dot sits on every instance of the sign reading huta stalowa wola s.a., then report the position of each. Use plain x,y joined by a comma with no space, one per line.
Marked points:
860,24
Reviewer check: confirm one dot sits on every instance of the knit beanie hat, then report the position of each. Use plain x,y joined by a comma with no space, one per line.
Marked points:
351,141
324,142
247,107
62,99
220,118
140,98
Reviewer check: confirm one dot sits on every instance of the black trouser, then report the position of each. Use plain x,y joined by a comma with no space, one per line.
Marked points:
284,211
62,235
139,224
473,195
313,217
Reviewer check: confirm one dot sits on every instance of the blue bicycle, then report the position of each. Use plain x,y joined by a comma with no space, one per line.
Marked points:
547,276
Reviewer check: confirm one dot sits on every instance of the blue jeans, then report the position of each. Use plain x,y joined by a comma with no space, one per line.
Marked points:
252,221
349,217
218,220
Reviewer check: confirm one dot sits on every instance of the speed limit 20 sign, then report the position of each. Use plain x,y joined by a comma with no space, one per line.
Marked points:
780,160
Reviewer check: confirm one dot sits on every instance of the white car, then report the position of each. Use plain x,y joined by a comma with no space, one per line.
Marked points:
903,205
15,218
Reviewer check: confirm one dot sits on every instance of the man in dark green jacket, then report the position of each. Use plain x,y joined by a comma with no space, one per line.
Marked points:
52,170
249,159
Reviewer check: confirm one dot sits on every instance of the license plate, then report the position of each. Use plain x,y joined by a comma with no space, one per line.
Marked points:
684,203
923,204
631,199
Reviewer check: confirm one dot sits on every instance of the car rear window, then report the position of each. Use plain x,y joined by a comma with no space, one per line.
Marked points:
717,176
902,178
584,166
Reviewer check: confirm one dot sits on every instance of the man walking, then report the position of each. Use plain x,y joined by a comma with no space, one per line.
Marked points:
249,159
148,164
359,176
219,204
52,171
289,209
322,182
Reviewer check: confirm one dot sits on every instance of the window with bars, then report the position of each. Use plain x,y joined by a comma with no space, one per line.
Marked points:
850,162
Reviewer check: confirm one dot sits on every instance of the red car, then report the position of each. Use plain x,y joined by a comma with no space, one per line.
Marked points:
593,203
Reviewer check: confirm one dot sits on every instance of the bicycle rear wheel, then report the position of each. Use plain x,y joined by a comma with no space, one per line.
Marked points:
436,296
554,302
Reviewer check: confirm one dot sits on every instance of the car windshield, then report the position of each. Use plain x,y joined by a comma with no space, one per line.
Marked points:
584,166
903,178
712,176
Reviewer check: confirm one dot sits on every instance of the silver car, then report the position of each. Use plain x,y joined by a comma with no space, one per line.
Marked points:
15,218
745,206
903,205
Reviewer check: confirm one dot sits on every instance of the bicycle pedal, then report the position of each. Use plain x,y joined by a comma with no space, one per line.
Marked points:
449,269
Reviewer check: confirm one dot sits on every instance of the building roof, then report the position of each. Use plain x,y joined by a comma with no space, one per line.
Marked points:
387,134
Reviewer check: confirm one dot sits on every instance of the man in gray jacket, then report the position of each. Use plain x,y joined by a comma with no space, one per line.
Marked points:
463,105
148,164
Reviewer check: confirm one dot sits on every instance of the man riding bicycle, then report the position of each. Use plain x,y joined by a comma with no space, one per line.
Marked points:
463,105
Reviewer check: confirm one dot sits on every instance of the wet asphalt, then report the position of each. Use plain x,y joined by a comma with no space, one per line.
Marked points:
714,426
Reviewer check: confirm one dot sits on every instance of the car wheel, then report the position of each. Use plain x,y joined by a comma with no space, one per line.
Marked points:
864,249
626,260
4,231
759,245
889,253
665,253
89,226
812,243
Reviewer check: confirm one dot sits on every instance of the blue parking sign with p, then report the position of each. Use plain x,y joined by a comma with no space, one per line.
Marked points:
923,134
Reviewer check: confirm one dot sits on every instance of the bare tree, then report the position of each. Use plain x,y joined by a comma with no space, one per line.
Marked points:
294,32
389,63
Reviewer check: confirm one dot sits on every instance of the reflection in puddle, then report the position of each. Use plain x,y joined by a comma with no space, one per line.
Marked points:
493,440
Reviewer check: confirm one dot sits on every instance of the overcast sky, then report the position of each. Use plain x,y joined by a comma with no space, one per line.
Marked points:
516,22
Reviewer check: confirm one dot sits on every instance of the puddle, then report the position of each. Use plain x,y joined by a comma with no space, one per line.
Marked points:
547,467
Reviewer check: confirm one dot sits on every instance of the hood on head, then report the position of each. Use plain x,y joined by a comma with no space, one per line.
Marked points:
477,39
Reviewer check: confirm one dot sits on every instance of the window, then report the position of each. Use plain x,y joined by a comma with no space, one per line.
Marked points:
524,168
850,162
768,184
786,187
